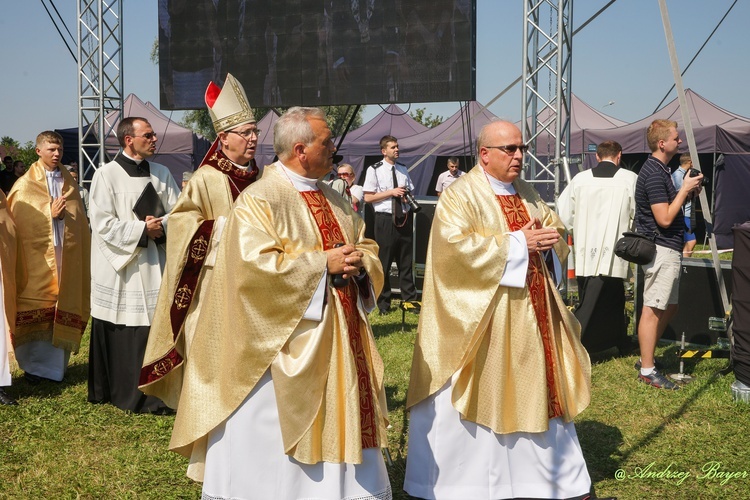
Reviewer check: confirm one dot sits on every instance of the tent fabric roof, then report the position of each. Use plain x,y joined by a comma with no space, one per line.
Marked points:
365,140
582,117
455,135
264,153
715,129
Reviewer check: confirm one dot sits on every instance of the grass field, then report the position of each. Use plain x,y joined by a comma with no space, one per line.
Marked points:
639,442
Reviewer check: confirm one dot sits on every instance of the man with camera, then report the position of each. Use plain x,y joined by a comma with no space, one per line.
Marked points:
659,212
388,187
686,165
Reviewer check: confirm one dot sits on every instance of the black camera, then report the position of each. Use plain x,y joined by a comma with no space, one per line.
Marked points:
695,173
409,198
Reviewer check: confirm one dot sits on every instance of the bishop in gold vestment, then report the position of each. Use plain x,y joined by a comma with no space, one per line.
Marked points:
196,223
498,371
283,392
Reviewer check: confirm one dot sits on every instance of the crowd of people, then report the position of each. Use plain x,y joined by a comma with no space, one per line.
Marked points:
242,302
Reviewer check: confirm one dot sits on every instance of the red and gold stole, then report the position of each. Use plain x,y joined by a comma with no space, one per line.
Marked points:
239,178
516,216
198,248
331,234
197,252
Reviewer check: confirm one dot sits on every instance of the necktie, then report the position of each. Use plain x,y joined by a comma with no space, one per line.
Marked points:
397,210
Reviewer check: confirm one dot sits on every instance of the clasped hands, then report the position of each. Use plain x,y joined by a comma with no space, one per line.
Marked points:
346,260
539,239
154,229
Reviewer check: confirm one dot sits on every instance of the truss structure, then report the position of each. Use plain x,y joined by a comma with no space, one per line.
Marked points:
100,87
547,49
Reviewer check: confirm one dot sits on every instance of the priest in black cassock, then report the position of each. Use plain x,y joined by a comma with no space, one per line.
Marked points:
127,259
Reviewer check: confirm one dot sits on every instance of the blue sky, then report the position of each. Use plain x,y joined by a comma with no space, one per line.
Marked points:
621,56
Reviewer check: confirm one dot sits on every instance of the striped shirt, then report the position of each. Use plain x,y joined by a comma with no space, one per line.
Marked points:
655,186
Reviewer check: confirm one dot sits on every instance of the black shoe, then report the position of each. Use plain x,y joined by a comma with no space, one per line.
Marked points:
659,381
383,312
6,400
32,379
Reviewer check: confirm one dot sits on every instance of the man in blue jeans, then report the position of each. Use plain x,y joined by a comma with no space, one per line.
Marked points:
686,163
659,211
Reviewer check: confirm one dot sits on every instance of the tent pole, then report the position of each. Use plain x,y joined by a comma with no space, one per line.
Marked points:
693,150
348,125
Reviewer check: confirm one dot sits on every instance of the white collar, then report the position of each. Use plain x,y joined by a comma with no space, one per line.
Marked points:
137,162
498,186
299,182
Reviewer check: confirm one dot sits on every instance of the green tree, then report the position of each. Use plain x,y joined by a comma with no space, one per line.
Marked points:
27,153
338,117
199,121
429,121
9,143
9,146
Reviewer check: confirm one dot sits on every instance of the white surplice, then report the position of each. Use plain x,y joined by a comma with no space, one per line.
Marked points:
125,277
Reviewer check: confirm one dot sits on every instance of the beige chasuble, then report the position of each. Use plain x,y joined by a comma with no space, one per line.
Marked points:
269,264
484,336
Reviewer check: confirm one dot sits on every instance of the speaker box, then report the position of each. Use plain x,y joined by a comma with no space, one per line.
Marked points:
422,227
698,301
741,302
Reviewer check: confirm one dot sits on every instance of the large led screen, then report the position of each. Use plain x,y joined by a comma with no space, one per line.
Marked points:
318,52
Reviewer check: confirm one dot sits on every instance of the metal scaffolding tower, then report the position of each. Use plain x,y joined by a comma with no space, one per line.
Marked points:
547,64
100,85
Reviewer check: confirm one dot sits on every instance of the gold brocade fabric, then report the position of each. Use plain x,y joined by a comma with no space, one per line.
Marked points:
207,196
12,279
517,217
348,295
484,336
49,307
270,262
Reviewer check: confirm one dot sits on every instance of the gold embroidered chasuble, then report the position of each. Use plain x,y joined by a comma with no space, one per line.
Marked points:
485,337
208,195
269,264
13,278
51,308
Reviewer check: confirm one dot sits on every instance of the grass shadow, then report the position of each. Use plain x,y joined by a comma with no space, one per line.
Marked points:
600,443
652,434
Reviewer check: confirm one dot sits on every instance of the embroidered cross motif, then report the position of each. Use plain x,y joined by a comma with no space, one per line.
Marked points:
182,297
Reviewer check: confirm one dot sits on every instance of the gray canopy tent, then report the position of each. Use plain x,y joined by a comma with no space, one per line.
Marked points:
364,142
723,142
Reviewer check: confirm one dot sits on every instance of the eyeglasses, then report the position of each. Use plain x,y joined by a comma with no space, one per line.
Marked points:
511,148
246,134
148,136
345,174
